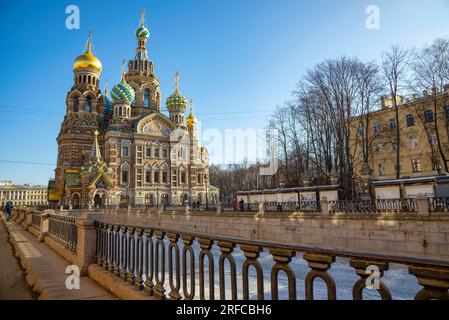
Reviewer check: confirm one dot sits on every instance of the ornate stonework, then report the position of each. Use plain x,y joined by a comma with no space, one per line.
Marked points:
123,151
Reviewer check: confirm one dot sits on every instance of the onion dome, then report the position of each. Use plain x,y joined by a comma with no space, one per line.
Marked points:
142,31
123,91
87,60
177,102
191,120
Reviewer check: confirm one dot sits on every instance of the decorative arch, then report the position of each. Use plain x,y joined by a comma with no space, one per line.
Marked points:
156,118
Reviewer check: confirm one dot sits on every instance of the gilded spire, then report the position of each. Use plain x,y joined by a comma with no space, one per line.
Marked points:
95,153
177,80
142,17
191,120
87,59
123,69
89,41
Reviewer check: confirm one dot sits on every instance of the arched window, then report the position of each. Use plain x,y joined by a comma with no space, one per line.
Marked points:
88,107
146,98
84,79
76,106
120,111
89,79
176,118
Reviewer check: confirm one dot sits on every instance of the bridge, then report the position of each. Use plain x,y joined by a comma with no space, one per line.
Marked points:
307,250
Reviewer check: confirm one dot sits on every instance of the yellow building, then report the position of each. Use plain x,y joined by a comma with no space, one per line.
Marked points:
22,195
420,127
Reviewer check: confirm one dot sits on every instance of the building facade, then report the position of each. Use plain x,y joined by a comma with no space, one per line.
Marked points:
424,145
23,195
123,150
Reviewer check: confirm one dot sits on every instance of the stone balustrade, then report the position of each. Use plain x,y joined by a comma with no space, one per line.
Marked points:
224,255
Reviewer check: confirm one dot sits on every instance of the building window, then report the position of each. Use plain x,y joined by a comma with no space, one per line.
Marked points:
125,151
410,120
183,177
88,105
146,98
125,177
148,152
413,142
164,153
416,165
377,127
156,152
164,177
393,123
428,115
156,176
378,148
148,176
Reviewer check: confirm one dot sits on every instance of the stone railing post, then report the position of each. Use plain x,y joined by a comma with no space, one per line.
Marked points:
86,242
325,210
219,208
435,282
28,217
262,207
422,204
43,227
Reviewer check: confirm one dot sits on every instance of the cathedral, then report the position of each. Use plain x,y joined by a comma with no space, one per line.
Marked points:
121,150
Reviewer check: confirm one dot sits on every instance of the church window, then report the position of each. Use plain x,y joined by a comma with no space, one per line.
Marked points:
89,79
147,176
176,118
410,120
164,153
156,176
416,165
125,151
156,152
146,98
183,177
84,79
88,105
164,177
76,106
148,152
125,177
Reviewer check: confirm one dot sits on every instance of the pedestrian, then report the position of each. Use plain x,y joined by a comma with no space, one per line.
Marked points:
8,210
234,205
242,205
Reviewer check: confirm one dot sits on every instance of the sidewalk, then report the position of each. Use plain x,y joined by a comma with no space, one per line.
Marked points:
12,278
45,269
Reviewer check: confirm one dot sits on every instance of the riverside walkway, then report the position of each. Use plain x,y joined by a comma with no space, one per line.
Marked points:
44,268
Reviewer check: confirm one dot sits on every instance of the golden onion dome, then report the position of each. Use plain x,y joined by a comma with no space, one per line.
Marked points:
87,60
191,120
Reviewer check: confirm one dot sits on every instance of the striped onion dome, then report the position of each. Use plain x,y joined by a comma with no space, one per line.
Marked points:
177,102
142,32
123,92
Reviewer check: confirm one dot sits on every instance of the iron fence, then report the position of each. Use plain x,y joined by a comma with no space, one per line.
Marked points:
64,230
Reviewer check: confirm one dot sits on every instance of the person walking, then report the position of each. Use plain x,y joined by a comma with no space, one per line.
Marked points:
242,205
234,205
8,210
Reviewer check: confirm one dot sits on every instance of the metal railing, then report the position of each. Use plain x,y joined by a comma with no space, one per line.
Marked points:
438,204
147,257
64,230
36,220
374,206
302,206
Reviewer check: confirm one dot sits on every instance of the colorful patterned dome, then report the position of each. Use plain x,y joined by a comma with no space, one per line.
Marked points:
142,32
177,102
87,60
123,92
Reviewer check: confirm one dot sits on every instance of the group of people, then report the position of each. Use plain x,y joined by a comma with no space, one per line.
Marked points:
241,204
8,210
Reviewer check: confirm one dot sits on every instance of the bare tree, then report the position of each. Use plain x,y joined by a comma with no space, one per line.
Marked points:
394,68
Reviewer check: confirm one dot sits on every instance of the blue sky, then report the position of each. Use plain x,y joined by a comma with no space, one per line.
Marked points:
238,59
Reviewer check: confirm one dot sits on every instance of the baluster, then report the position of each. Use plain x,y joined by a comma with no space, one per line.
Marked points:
112,241
117,250
98,244
361,270
149,262
319,265
187,241
110,248
226,249
174,293
124,269
252,254
138,281
435,282
106,247
206,245
159,290
282,257
131,255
